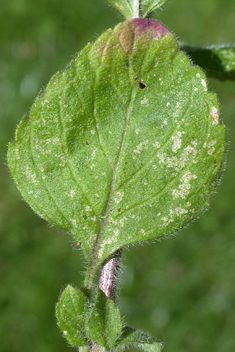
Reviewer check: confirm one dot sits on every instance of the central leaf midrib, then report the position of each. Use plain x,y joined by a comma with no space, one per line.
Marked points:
108,208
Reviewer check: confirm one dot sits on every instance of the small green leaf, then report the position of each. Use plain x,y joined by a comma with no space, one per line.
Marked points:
132,337
125,145
148,6
135,8
124,6
71,311
218,62
104,326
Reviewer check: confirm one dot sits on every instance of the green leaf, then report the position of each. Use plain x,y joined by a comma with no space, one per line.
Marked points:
139,339
125,145
124,6
132,8
104,326
218,62
148,6
71,312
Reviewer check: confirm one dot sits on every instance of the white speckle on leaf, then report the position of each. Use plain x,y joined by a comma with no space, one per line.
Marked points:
184,187
122,221
92,166
65,105
31,176
144,101
116,232
196,89
88,208
180,211
168,104
156,144
137,131
215,115
142,232
63,161
211,151
72,193
119,198
204,84
92,132
140,147
177,142
198,75
64,332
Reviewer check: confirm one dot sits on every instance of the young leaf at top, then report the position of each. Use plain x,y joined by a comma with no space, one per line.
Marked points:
135,8
139,339
124,6
125,145
104,326
71,311
148,6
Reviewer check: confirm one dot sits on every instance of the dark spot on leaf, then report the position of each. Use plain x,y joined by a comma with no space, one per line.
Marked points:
120,210
126,162
142,85
87,143
84,217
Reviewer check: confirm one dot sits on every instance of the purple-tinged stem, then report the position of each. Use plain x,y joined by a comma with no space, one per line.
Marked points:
109,275
108,282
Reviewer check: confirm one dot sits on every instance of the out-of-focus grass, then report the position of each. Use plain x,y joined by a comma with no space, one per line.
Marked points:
182,289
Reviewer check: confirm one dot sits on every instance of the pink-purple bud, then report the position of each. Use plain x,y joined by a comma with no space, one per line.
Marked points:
140,29
148,26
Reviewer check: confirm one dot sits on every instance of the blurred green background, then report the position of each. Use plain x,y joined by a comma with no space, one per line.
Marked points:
182,289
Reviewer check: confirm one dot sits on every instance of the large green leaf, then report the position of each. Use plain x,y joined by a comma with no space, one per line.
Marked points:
104,325
71,311
125,145
139,339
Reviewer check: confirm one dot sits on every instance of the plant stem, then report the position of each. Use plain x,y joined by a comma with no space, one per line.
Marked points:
136,8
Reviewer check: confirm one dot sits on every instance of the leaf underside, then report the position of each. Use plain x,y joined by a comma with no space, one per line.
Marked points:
124,146
139,339
218,62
